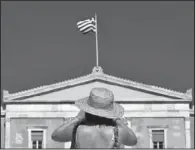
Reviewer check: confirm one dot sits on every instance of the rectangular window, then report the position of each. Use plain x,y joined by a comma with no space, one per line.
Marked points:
37,139
158,139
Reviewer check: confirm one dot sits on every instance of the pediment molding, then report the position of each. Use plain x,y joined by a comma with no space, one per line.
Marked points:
97,74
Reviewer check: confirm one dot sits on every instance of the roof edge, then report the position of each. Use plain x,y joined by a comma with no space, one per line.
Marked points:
97,73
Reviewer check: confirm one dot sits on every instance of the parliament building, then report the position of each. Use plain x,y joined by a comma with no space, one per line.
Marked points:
160,118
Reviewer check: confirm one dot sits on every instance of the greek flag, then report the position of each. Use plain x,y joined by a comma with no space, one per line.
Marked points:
86,26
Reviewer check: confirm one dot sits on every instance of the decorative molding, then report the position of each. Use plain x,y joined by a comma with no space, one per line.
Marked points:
74,113
120,101
170,107
97,69
148,107
63,108
37,127
96,74
46,88
157,127
147,87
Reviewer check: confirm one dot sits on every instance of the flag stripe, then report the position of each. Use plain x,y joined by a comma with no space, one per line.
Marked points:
86,25
87,30
80,22
87,20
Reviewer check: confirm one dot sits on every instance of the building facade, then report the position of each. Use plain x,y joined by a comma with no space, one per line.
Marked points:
160,118
192,126
2,128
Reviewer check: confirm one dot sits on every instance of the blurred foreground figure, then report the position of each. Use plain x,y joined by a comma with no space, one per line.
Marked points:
99,124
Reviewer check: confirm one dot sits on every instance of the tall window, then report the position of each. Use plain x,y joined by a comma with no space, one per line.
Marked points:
37,139
158,139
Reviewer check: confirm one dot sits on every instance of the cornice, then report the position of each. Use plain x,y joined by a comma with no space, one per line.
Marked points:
46,88
97,74
150,88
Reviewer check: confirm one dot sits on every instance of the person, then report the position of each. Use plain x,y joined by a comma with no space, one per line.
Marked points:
99,124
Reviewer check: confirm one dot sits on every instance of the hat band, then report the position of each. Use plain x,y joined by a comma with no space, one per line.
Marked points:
99,105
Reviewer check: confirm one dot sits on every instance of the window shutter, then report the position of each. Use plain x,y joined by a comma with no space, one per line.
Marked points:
158,136
37,135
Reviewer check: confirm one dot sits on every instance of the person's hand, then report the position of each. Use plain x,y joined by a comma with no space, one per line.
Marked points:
117,120
124,120
81,115
121,120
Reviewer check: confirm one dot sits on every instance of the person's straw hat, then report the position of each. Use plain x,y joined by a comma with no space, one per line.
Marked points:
101,103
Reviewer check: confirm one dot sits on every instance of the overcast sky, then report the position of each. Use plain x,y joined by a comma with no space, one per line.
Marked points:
149,42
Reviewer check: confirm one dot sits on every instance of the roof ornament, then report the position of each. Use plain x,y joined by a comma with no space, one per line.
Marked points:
5,93
97,69
189,92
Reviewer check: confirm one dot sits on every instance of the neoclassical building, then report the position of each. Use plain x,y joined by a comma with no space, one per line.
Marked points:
161,118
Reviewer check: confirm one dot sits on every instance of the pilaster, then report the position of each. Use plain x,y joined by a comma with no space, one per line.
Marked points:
187,132
7,132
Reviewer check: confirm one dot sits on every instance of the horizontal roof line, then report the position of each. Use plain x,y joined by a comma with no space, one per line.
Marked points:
117,101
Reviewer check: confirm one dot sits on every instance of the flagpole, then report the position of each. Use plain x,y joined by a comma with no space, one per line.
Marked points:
96,37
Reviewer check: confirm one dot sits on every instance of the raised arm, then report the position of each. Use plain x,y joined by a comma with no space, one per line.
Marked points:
64,132
126,135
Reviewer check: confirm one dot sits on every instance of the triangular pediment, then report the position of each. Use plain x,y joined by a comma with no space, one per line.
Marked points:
71,90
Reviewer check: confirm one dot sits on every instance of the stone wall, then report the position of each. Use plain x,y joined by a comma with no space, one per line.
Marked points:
19,131
2,132
175,131
192,131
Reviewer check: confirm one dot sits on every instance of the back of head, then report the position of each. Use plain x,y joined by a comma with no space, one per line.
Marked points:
91,120
97,120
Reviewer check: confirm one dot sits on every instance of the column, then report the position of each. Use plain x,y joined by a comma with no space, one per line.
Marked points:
7,132
187,132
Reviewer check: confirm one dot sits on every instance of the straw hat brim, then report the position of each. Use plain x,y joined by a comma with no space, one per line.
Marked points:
116,112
